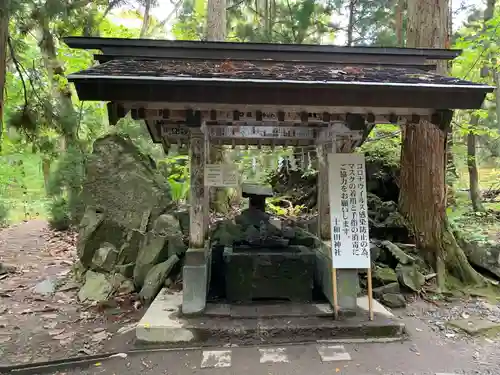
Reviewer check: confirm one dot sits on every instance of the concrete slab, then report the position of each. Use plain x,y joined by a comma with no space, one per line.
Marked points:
161,322
475,326
269,310
331,353
273,355
216,359
377,307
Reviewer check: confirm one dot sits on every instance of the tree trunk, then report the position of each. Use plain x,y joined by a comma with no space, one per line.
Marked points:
145,20
497,96
216,31
4,34
422,182
216,20
475,194
67,116
350,25
399,22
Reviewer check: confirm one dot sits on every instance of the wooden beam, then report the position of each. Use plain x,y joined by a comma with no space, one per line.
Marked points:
116,111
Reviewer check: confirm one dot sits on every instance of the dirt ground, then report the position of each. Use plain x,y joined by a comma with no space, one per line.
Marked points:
38,326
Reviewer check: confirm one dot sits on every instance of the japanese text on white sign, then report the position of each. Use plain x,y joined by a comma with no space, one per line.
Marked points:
348,211
221,175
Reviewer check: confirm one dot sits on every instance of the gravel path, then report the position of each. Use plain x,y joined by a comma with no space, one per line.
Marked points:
38,326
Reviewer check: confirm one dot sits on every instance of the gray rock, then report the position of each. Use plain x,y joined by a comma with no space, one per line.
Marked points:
104,258
97,287
89,224
183,218
154,251
375,251
126,270
226,233
389,288
129,250
384,276
394,300
410,277
124,184
486,256
167,225
399,254
7,268
176,246
126,287
155,279
46,287
78,270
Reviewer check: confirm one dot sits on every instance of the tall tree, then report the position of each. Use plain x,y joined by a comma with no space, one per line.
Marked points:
216,20
422,180
475,193
216,31
4,34
145,20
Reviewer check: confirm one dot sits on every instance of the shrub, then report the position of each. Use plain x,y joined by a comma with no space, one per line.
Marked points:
59,214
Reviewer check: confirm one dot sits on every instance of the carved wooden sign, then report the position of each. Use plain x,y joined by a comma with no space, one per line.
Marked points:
261,132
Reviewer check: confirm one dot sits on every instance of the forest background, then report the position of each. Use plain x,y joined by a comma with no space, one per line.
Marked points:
47,133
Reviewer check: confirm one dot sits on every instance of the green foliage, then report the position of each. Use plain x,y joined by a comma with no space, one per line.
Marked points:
176,170
67,179
281,206
59,215
383,145
4,214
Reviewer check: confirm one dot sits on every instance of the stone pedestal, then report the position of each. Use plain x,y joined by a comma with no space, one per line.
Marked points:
269,274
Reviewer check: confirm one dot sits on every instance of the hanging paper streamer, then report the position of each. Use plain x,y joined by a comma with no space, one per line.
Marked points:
309,161
293,163
254,164
281,163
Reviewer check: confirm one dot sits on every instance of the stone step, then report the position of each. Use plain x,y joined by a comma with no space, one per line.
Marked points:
164,324
269,310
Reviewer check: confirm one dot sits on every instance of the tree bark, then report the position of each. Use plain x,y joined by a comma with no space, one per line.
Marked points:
497,96
145,19
350,25
400,5
475,194
4,34
422,198
216,20
216,31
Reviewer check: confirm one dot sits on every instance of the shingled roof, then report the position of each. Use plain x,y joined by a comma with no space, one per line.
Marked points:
268,71
270,74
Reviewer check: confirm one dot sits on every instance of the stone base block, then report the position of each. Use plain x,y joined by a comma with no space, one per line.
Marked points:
267,275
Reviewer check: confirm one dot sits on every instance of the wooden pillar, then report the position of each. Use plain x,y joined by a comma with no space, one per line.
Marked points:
195,273
323,197
197,155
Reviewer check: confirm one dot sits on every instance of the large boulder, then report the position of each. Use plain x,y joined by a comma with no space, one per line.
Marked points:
127,227
124,184
485,256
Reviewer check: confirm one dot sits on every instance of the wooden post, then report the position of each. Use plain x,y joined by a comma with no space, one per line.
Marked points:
370,293
197,191
323,197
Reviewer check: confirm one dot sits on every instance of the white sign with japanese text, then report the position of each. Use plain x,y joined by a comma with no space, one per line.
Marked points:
348,211
221,175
